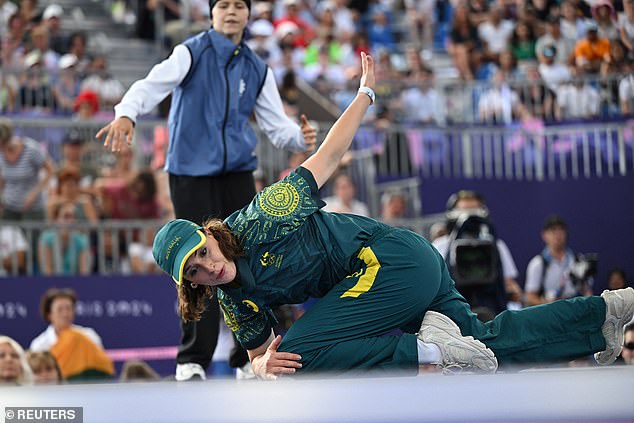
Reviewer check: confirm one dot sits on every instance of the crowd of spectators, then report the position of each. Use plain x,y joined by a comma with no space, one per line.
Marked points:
560,60
46,69
69,199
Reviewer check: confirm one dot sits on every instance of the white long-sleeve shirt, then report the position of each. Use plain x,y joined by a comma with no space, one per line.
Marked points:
145,94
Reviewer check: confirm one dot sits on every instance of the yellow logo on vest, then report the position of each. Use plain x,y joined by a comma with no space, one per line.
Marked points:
270,259
253,306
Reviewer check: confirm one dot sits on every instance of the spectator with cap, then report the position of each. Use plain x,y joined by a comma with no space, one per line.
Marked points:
7,9
86,105
591,51
52,20
564,47
553,73
67,87
35,94
605,17
548,275
263,43
305,32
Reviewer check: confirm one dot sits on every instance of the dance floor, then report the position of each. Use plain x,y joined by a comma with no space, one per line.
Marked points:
553,395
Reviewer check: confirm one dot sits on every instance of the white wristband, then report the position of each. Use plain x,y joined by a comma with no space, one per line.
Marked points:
369,92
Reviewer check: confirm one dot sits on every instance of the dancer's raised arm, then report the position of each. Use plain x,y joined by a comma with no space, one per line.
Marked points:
324,162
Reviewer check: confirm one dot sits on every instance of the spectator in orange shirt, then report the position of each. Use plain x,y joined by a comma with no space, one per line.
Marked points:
592,51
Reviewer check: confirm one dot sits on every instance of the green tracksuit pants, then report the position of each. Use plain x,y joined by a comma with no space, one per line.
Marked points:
402,277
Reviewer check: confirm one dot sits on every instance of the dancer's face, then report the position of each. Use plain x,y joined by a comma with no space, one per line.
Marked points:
208,266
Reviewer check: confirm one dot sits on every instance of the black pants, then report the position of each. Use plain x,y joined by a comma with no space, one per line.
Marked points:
197,198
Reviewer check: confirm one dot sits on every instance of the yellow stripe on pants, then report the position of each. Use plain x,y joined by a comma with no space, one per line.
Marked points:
366,280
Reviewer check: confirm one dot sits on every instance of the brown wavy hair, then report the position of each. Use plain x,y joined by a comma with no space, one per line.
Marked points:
192,301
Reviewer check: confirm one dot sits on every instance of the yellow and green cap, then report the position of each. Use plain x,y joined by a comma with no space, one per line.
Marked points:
174,243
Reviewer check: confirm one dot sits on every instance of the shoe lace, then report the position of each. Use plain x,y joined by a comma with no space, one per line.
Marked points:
451,368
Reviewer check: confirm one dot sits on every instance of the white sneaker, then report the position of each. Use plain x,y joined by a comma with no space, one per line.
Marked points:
619,312
457,351
190,371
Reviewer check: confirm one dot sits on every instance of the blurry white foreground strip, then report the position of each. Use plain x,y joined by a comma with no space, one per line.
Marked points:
588,395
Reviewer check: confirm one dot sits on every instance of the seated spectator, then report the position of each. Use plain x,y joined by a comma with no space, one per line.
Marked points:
380,30
305,32
605,16
7,92
508,67
393,206
626,90
14,369
536,97
500,104
495,34
463,45
108,89
552,72
577,99
77,45
74,146
420,102
626,26
64,250
35,94
563,47
548,273
295,159
572,23
420,17
77,349
617,279
628,345
69,191
86,105
591,51
344,198
14,48
52,20
263,42
523,43
25,170
13,249
136,371
66,88
45,368
41,43
133,200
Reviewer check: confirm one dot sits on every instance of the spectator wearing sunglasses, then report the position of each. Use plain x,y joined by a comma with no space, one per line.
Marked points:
628,346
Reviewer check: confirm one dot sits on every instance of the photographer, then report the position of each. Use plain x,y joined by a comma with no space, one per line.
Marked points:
553,274
481,264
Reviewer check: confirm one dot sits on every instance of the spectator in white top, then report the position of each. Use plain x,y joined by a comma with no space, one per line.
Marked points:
109,89
552,73
495,33
577,100
548,273
564,47
420,102
52,20
263,43
626,90
57,307
500,104
626,25
344,198
13,249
